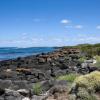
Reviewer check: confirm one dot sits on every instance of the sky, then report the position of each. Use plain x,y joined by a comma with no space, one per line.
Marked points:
37,23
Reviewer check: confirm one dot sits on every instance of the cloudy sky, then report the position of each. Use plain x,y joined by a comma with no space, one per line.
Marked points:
29,23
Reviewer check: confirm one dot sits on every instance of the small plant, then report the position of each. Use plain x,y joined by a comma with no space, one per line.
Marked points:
97,64
82,59
68,77
37,89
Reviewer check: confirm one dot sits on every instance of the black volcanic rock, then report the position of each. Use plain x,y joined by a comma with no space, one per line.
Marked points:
2,91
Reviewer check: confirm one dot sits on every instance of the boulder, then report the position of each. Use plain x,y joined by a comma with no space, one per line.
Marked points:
12,98
58,89
23,92
2,98
9,92
12,95
21,84
26,98
61,82
59,72
42,97
46,85
41,76
5,84
8,74
41,60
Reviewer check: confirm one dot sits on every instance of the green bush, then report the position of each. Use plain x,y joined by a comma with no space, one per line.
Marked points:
82,59
89,81
37,89
97,64
97,58
89,50
84,95
68,77
85,86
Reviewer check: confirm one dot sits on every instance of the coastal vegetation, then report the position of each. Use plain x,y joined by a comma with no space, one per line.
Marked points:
55,74
37,89
87,49
89,81
82,59
88,84
68,77
97,64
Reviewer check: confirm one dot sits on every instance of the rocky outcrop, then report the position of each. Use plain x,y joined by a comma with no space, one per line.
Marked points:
18,76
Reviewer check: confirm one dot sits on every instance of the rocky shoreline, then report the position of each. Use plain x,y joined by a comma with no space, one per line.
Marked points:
18,76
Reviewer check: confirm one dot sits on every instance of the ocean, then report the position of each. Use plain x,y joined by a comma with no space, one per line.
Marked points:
14,52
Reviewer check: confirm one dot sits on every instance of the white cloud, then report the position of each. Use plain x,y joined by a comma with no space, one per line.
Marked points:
86,38
78,26
98,27
65,21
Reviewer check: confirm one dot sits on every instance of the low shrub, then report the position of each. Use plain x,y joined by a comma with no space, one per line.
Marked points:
97,64
82,59
84,95
91,82
68,77
37,89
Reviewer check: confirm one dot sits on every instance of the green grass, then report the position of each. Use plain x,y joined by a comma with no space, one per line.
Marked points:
37,89
68,77
98,61
82,59
97,58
